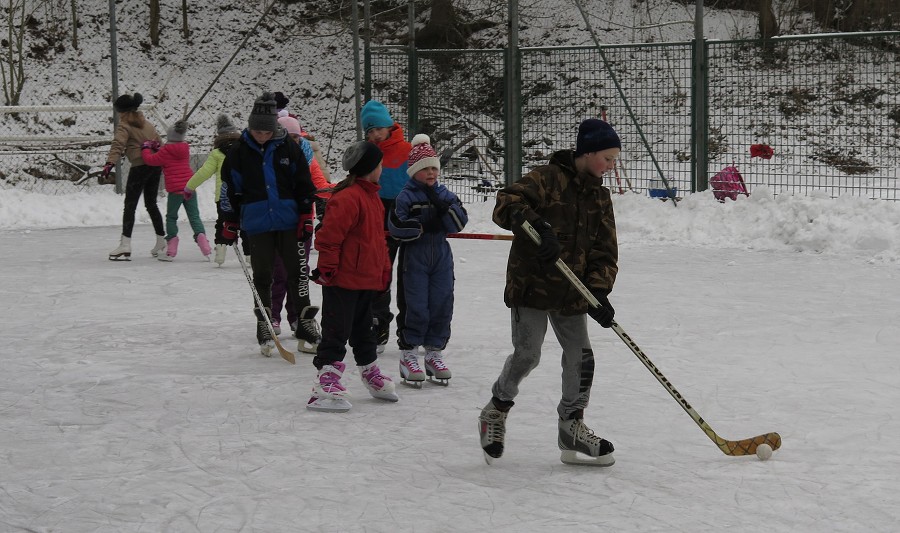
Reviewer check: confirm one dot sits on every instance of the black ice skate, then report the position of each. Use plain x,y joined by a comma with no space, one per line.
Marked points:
579,445
308,330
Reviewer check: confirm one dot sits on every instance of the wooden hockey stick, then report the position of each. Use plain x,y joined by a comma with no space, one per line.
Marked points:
285,354
485,236
728,447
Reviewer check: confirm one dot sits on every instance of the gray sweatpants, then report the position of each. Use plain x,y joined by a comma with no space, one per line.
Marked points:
529,327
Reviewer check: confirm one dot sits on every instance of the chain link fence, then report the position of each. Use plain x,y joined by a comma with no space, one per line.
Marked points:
828,106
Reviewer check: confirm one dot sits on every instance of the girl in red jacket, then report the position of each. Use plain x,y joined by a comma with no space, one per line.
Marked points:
353,267
174,158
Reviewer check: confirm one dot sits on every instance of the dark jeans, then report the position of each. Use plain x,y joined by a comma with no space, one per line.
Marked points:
346,316
142,179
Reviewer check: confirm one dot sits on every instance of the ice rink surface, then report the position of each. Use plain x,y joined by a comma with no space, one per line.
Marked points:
133,398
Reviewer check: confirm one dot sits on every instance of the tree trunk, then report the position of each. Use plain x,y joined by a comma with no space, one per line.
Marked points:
74,24
443,29
154,22
184,19
768,26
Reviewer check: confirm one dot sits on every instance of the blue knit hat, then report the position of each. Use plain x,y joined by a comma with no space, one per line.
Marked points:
595,135
375,115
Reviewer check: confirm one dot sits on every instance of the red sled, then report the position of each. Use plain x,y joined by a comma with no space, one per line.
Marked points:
728,183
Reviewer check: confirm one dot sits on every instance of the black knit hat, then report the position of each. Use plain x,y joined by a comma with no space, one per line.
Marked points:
264,116
595,135
361,157
127,102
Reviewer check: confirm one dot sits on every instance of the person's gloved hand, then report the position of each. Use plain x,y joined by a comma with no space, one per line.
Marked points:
230,232
604,314
548,251
440,205
107,168
322,277
150,145
305,226
188,193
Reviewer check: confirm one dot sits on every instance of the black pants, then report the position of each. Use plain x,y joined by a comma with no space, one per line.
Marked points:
142,179
264,246
346,316
381,307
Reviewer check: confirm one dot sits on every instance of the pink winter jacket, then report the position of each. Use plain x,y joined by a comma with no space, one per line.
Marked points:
175,160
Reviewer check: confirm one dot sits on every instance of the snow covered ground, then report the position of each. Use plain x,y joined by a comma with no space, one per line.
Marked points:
132,397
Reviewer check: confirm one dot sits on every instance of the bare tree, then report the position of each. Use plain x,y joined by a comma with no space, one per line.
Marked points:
74,24
12,69
184,20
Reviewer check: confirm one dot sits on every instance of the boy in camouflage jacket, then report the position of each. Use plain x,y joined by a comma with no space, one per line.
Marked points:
566,202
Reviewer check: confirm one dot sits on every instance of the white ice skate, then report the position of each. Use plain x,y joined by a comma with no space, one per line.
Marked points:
379,385
328,394
122,252
159,247
436,369
579,446
410,371
491,431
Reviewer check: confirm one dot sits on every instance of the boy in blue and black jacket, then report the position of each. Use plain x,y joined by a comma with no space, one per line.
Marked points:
267,191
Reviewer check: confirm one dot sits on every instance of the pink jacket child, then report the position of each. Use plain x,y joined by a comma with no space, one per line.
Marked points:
174,158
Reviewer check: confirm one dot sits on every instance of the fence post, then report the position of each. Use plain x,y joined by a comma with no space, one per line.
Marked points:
513,161
367,53
114,67
699,101
412,106
357,97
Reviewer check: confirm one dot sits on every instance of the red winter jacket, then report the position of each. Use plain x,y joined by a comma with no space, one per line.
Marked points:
351,242
175,160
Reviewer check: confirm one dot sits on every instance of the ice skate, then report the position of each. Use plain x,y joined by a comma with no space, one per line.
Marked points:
379,385
171,250
203,244
276,327
263,335
328,394
382,334
308,330
579,445
159,247
437,371
410,371
122,252
220,254
492,429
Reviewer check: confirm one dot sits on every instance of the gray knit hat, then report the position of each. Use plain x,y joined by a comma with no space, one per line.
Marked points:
264,116
224,126
175,133
361,157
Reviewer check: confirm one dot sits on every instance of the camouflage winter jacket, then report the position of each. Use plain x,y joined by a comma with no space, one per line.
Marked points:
580,211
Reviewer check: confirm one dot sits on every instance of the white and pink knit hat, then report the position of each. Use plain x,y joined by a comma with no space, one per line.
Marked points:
422,155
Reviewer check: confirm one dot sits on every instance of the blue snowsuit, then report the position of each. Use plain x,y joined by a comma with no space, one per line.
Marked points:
425,264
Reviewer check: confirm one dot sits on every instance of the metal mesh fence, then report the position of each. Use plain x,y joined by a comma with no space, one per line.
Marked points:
829,108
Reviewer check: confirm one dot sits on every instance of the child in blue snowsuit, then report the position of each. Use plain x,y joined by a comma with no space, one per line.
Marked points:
425,212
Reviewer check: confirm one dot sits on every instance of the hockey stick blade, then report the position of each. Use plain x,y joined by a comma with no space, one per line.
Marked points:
728,447
285,354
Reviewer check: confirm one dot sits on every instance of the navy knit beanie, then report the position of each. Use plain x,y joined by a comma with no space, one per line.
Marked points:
595,135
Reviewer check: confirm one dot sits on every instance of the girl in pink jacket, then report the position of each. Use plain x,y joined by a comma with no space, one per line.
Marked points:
174,158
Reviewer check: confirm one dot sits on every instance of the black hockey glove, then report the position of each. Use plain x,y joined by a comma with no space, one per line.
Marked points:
548,251
604,314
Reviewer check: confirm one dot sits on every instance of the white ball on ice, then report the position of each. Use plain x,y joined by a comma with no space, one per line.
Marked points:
763,451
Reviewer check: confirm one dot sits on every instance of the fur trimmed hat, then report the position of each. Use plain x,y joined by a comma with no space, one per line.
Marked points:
264,116
375,115
361,158
422,155
595,135
175,133
128,102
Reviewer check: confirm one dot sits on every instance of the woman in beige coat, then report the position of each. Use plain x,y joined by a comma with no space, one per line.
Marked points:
132,132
